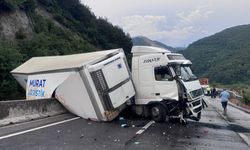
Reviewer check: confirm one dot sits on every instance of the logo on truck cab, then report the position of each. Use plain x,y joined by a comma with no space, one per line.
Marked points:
151,60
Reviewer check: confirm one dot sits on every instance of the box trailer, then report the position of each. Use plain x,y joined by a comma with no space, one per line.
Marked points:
93,85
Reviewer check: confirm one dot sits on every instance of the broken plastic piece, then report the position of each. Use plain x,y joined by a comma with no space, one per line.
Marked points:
137,143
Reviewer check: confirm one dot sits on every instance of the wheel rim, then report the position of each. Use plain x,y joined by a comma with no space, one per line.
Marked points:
155,112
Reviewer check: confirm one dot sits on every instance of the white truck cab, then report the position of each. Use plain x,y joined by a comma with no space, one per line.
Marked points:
165,85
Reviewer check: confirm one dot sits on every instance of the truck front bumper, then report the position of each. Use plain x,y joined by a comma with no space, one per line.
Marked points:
194,108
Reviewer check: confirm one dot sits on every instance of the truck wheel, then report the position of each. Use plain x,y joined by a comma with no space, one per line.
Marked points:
158,113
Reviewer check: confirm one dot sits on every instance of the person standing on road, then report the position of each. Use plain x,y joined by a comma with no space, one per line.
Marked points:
224,97
213,92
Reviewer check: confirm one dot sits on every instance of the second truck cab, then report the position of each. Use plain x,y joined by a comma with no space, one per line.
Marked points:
165,85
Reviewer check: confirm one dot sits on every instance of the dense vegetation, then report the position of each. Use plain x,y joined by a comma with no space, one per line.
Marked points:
81,31
224,58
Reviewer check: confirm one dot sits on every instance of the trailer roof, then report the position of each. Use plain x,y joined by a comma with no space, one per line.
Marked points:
51,63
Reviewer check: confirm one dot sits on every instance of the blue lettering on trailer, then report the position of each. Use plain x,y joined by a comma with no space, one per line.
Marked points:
38,83
40,93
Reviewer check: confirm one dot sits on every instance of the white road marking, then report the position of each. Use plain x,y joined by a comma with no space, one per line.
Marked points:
145,127
245,138
37,128
140,132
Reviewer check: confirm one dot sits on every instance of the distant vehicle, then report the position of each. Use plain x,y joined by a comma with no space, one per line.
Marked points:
205,86
97,85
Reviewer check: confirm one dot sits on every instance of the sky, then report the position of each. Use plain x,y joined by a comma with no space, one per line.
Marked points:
176,23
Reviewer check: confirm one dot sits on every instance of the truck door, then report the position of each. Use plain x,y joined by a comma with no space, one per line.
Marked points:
165,86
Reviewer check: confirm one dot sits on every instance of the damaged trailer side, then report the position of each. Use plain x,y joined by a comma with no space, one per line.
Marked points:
93,85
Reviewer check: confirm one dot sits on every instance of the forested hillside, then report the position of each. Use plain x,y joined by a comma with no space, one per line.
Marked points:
224,57
49,27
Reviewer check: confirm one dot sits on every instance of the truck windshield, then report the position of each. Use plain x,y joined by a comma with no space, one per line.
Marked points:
185,72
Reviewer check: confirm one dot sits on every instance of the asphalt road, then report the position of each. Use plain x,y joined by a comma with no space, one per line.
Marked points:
68,132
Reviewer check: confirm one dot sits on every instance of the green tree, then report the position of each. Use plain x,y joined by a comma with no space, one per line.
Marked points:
10,57
7,5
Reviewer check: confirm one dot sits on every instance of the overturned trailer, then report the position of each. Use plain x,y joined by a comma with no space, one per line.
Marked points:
93,85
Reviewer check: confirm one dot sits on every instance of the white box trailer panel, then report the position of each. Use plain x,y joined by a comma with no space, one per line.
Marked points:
92,98
22,79
125,92
77,85
113,69
41,75
41,86
115,72
112,81
73,94
39,65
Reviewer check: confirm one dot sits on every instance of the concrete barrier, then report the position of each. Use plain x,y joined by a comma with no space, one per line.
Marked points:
24,110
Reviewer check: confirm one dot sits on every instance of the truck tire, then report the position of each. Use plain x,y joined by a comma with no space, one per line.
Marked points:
158,113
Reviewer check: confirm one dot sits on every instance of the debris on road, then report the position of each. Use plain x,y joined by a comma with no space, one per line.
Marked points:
136,143
82,135
123,122
187,137
205,131
117,140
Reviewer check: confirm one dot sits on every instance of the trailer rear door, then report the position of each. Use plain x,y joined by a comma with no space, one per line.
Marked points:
112,80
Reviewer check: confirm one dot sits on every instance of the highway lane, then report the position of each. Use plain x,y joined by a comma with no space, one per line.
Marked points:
237,120
211,132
